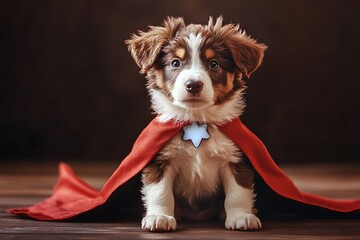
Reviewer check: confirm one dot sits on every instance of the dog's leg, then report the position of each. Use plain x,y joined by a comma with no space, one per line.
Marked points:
158,199
239,198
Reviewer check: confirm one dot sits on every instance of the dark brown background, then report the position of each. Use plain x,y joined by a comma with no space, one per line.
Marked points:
69,88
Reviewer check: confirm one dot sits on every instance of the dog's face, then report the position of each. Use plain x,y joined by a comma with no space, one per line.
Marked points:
195,68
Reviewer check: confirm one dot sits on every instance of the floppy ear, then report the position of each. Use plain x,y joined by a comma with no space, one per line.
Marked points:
246,52
146,46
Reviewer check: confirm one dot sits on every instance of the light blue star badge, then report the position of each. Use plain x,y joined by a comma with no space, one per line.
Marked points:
196,133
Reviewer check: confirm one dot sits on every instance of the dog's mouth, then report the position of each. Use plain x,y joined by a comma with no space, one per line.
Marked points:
193,100
193,103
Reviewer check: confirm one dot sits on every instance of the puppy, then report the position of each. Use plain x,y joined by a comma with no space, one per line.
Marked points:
195,74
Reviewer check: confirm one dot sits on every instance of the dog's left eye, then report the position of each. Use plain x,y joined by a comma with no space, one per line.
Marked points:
213,64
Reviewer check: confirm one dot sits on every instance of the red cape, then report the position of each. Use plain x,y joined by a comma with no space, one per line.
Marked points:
73,197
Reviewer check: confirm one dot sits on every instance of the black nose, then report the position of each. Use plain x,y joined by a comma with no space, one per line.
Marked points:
193,86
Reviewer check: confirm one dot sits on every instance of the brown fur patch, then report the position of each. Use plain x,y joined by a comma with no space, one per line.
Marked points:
145,47
243,173
180,53
159,79
230,82
246,52
199,208
209,53
226,88
154,172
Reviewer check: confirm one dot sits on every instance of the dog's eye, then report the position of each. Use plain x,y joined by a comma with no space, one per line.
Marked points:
175,63
213,64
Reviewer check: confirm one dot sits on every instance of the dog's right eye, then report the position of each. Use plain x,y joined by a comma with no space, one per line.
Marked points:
175,63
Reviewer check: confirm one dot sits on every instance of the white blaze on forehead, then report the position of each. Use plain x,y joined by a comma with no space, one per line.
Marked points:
194,42
194,71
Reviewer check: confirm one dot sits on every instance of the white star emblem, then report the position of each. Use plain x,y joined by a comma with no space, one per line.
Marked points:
196,133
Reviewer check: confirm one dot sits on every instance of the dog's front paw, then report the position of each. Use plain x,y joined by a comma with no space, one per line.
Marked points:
158,223
242,221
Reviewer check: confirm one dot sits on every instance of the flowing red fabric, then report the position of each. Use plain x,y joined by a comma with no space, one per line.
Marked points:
72,196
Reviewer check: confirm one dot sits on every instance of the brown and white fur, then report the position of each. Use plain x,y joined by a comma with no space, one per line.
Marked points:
195,74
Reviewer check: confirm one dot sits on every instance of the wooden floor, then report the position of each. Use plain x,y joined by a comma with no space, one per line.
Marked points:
24,183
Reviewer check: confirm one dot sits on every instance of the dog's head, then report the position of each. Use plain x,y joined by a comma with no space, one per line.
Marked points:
195,72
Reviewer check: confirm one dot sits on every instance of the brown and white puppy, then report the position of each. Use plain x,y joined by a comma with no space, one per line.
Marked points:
195,74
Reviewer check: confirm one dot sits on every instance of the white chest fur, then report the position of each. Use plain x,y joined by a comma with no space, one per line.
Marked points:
198,171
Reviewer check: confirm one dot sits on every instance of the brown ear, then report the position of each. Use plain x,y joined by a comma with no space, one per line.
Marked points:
146,46
247,53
